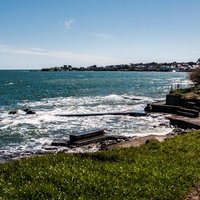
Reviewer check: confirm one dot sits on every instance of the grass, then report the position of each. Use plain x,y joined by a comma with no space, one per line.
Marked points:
188,93
165,170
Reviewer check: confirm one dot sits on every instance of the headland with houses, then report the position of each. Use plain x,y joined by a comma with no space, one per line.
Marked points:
153,66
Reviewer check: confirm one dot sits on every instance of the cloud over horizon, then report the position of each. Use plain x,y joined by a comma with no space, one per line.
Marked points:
72,57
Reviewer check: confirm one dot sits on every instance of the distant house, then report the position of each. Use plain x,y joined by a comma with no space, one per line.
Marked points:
165,68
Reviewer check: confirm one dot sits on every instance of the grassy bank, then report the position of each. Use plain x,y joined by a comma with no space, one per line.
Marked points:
154,171
188,93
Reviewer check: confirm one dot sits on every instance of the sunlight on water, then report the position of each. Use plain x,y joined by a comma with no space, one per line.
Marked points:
51,94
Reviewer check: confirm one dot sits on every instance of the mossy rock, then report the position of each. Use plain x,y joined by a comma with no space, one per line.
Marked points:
152,140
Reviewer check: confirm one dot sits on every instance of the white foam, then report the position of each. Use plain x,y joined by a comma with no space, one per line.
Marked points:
11,83
40,128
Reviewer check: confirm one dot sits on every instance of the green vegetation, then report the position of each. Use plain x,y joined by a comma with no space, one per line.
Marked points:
165,170
194,76
192,93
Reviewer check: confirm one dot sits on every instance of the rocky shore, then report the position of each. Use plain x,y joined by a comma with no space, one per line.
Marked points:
109,143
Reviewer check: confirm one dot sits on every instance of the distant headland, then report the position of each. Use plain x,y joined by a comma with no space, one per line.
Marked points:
153,66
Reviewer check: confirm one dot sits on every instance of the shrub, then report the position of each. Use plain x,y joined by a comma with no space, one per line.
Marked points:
194,76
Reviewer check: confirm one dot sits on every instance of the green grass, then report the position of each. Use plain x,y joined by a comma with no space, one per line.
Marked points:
154,171
188,93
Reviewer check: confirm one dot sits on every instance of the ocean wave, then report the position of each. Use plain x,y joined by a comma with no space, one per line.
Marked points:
30,132
11,83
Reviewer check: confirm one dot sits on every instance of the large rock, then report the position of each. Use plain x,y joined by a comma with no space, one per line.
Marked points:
28,111
148,108
12,112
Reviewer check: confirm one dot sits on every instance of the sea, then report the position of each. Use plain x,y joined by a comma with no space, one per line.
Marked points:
50,94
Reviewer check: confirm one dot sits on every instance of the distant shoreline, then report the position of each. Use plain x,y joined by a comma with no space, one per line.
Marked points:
141,67
104,71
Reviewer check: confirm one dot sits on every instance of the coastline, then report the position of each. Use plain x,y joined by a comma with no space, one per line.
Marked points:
110,143
30,132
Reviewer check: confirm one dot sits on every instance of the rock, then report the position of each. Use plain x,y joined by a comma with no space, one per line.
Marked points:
50,148
25,109
179,131
148,108
91,146
120,140
151,140
28,111
116,137
59,142
12,112
104,147
162,124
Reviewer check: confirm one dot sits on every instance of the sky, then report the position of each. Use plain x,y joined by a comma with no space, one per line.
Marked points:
44,33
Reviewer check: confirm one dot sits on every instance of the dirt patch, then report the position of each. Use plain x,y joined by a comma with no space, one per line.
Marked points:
134,142
195,194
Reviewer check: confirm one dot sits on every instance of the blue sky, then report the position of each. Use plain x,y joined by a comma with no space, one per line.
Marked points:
44,33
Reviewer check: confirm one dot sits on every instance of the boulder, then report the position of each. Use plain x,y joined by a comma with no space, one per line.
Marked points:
12,112
148,108
152,140
28,111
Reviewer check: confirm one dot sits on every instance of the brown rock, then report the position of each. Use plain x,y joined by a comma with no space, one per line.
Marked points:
152,140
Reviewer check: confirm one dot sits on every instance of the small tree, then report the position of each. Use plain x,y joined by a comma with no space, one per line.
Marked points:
194,76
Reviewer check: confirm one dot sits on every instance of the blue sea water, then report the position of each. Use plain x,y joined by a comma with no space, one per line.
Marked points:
52,93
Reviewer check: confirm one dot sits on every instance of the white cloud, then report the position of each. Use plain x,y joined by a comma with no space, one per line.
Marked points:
69,23
101,35
72,57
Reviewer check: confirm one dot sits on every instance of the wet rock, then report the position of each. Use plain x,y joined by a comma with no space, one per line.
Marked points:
29,111
148,108
104,147
50,148
163,124
116,137
12,112
120,140
107,143
91,146
112,140
60,142
64,149
39,152
171,134
179,131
